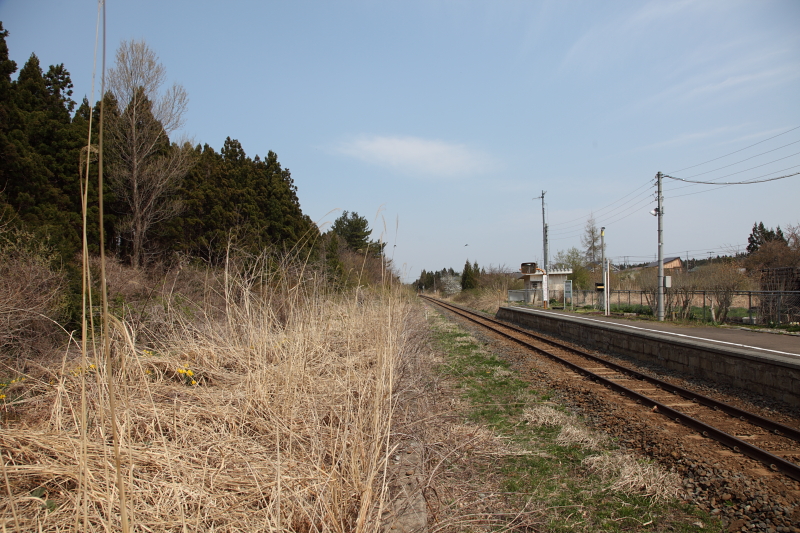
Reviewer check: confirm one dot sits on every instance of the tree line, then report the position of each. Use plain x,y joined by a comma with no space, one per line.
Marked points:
163,195
767,248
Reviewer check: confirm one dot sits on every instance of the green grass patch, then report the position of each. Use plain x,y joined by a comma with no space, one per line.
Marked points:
550,473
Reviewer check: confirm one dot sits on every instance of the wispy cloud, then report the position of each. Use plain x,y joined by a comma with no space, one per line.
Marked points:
730,82
414,155
689,137
612,39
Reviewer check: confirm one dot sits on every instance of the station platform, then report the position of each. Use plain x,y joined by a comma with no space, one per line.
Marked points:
787,344
765,363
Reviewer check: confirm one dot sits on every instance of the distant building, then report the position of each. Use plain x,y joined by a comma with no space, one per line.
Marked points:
532,276
670,263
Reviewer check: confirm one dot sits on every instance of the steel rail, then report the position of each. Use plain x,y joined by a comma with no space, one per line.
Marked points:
737,445
741,414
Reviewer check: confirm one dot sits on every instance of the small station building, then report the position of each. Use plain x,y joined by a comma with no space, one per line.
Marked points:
532,275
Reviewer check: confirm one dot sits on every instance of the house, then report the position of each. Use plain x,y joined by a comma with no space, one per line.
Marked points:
670,263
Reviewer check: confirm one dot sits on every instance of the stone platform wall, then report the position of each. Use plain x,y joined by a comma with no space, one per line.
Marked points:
768,374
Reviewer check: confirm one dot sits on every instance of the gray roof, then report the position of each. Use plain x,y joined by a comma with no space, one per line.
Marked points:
666,260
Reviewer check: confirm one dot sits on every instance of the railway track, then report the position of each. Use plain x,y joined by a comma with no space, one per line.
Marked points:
775,445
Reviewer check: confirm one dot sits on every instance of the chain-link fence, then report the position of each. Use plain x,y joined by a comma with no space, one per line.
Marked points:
749,307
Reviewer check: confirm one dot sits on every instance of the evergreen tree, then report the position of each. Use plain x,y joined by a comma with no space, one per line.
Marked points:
227,196
761,235
353,229
333,265
469,278
10,158
41,178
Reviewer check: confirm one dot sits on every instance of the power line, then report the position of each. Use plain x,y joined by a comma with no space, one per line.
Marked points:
749,182
735,152
567,229
605,207
746,159
714,182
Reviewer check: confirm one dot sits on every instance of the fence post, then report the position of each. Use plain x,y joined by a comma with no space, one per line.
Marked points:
704,306
750,307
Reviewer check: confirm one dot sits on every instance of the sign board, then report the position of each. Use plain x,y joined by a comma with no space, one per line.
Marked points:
667,281
599,287
568,288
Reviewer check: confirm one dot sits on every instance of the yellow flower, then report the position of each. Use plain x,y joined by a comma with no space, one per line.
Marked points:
2,396
181,371
194,382
189,373
92,367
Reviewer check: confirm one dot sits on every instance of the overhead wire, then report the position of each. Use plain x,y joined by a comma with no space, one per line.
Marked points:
746,182
745,159
607,206
574,228
734,152
714,182
567,229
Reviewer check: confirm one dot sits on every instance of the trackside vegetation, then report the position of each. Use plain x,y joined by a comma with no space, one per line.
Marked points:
564,476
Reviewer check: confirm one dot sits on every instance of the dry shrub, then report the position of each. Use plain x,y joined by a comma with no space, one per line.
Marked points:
626,473
572,433
543,415
30,292
487,300
632,476
272,413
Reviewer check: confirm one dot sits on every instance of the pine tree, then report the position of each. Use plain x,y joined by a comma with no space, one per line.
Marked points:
10,157
354,229
469,278
761,235
333,265
41,178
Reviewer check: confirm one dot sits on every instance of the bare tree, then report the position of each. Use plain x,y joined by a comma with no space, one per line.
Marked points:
591,240
147,169
721,280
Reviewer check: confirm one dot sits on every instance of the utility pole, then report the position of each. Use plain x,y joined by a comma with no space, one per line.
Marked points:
604,294
660,214
545,295
544,231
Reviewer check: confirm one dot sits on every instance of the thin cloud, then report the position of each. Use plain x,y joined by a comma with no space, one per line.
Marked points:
690,137
414,155
612,39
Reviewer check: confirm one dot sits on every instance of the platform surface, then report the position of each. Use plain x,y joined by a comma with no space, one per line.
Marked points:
760,342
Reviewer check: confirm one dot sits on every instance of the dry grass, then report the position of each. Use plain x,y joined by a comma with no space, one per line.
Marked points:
625,472
271,413
573,431
487,300
632,476
29,292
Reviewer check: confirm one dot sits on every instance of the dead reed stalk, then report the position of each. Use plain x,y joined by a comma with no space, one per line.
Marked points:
273,414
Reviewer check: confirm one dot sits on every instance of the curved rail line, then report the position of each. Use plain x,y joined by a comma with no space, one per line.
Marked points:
774,462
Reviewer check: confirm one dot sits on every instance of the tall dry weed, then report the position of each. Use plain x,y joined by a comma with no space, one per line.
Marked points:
30,292
264,406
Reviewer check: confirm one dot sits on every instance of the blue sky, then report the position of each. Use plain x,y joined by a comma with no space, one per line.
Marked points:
441,121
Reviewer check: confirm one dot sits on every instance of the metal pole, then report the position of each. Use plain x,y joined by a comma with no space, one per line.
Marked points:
660,250
607,283
544,232
603,296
